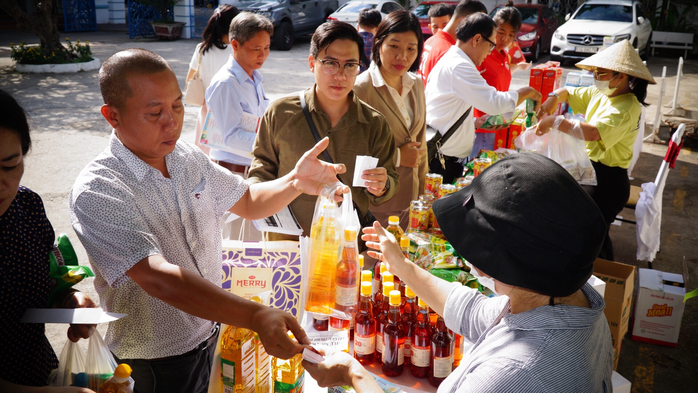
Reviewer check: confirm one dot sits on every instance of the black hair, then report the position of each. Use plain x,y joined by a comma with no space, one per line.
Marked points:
369,18
217,27
477,23
14,118
439,10
509,15
399,21
331,31
638,86
468,7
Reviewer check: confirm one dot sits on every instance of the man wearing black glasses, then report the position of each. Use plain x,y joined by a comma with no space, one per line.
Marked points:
455,86
354,128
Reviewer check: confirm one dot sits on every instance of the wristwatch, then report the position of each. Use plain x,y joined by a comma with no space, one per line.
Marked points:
553,94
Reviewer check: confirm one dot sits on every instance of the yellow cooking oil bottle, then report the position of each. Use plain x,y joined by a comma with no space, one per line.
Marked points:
287,375
242,354
325,248
262,367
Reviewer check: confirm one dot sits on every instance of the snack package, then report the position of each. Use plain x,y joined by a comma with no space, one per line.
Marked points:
64,270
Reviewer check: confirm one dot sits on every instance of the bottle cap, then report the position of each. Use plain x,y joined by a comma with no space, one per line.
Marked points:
122,372
393,220
350,234
395,298
409,292
383,268
404,242
387,287
361,261
366,288
421,303
366,275
387,277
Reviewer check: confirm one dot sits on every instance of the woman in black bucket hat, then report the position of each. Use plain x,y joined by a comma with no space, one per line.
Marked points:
531,233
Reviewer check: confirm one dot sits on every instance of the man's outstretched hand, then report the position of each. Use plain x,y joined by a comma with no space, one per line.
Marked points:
311,174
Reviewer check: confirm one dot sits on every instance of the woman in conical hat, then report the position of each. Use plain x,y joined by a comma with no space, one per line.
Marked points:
612,109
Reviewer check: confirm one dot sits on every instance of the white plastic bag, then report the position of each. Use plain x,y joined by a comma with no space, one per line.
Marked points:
567,149
70,364
100,364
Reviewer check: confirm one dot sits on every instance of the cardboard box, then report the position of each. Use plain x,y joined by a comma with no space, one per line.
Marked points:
620,283
535,79
515,129
552,80
500,139
659,307
249,269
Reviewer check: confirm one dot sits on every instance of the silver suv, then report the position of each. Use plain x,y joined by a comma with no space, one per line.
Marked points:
291,18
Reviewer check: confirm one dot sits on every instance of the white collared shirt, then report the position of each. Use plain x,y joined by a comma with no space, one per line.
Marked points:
401,100
454,85
231,93
123,211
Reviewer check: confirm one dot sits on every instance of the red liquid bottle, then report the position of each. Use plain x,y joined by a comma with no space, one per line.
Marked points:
382,320
394,339
458,353
321,322
441,363
421,343
365,327
378,295
409,319
346,282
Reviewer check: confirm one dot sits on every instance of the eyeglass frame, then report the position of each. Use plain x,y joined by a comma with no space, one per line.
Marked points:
598,74
492,44
343,66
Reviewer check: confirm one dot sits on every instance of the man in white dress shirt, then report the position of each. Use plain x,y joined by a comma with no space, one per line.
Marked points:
236,91
455,85
147,210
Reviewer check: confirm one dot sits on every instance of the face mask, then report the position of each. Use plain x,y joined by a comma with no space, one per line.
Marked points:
487,282
604,88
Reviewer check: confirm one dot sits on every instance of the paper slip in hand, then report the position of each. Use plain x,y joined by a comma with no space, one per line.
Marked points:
249,122
363,163
312,356
89,316
283,222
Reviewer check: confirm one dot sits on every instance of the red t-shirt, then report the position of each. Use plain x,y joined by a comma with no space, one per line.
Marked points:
516,54
495,70
434,49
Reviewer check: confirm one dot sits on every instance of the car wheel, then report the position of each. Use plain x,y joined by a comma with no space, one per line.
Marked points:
536,52
283,36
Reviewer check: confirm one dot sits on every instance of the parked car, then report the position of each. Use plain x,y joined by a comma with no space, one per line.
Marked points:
583,33
349,12
422,12
291,18
537,28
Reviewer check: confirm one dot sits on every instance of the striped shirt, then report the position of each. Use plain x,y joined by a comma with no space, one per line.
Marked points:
123,211
548,349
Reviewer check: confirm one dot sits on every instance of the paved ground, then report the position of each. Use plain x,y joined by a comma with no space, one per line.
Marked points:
68,132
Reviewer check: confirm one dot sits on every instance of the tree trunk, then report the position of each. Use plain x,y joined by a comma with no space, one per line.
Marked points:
43,25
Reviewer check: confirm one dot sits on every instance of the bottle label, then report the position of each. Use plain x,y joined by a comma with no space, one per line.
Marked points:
364,345
379,343
443,366
420,356
376,286
408,347
228,372
345,296
248,363
281,387
400,355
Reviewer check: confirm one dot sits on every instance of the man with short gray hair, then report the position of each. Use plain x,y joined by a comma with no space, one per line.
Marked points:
236,93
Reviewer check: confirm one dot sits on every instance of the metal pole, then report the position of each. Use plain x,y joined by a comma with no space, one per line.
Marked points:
658,113
676,109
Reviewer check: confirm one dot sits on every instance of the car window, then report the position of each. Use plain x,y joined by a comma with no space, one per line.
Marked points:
422,10
355,7
607,12
389,7
529,15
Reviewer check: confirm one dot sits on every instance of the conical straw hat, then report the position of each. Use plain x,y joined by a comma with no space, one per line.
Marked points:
620,57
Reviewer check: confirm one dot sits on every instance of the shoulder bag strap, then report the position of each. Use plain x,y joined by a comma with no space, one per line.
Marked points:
311,124
454,127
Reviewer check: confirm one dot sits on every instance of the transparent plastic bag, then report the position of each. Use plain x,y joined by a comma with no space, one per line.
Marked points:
567,149
100,364
70,364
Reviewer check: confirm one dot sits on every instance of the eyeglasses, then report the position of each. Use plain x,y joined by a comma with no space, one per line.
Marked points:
598,75
492,44
332,67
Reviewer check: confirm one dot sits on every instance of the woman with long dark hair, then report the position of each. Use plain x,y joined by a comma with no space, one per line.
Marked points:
213,52
391,87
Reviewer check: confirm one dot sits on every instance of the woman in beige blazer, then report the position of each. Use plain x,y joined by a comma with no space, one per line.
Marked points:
390,86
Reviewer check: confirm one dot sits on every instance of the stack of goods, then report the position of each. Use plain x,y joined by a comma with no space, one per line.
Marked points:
546,78
484,159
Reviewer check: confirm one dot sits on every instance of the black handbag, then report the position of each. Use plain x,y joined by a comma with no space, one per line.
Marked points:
437,140
367,219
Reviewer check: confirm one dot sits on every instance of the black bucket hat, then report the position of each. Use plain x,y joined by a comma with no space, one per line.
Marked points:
525,222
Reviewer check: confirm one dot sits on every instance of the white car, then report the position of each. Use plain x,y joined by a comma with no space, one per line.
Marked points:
349,12
583,33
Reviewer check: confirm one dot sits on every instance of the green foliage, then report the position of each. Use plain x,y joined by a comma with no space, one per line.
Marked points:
34,54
